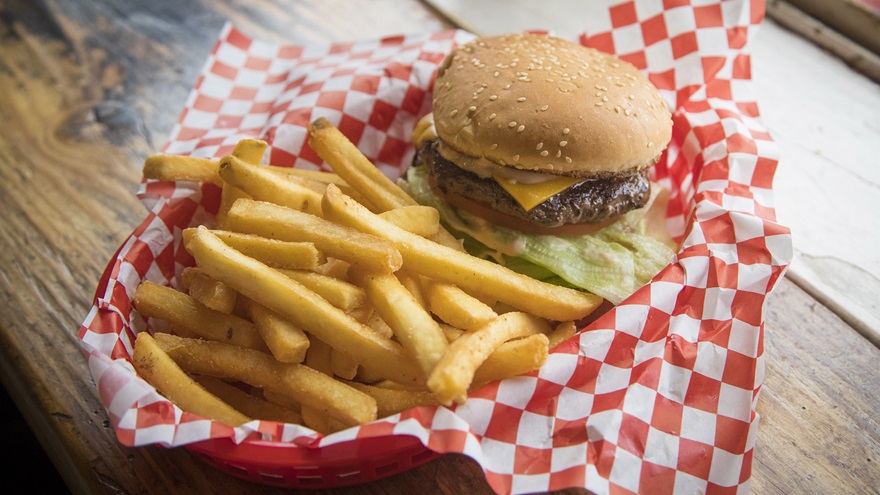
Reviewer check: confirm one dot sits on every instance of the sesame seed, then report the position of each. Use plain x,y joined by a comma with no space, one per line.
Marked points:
599,103
627,112
617,109
512,123
544,153
480,89
492,117
562,144
520,128
544,108
567,160
494,145
472,108
521,98
558,153
453,113
566,131
496,74
604,98
516,158
632,97
539,146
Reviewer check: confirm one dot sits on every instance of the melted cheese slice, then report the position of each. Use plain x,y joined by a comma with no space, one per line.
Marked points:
531,195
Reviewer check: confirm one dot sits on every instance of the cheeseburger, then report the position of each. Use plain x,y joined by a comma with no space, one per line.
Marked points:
536,143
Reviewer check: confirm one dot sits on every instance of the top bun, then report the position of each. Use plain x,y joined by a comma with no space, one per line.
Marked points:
536,102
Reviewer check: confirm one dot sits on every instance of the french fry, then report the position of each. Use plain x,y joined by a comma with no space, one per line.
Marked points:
342,365
392,401
413,326
286,341
419,220
275,253
378,325
455,306
413,283
343,157
250,405
454,373
180,310
157,368
336,241
563,331
213,294
302,306
181,168
309,387
468,272
335,268
512,358
344,295
251,151
263,185
319,356
315,175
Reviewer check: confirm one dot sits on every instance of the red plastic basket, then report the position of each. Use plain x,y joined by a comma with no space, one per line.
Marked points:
292,466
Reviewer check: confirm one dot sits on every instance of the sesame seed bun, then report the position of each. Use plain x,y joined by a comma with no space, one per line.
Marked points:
536,102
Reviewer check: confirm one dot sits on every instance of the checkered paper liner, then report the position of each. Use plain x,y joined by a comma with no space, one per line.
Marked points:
656,396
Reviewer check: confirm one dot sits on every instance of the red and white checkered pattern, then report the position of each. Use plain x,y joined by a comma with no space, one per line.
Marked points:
657,396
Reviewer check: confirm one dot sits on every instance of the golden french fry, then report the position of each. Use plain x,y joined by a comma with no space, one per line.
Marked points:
275,253
378,325
157,368
336,241
344,295
413,326
392,401
413,283
455,306
348,162
343,157
263,185
302,307
563,331
181,168
468,272
319,356
286,341
454,373
315,175
204,289
250,405
335,268
309,387
512,358
251,151
320,422
182,311
342,365
419,220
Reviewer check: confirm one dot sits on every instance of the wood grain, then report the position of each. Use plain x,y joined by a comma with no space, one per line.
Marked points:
89,88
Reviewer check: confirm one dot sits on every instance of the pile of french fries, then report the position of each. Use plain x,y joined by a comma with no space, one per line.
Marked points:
331,299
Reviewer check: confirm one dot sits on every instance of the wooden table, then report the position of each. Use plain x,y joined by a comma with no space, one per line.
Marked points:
89,88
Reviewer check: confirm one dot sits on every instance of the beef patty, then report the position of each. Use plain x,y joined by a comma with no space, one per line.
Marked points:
590,201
